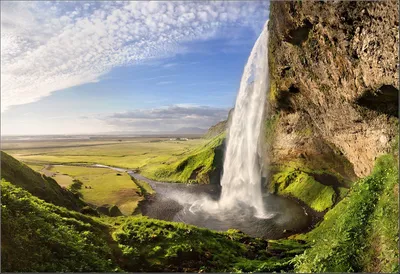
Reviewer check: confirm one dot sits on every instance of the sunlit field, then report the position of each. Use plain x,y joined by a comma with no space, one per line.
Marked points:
132,153
101,186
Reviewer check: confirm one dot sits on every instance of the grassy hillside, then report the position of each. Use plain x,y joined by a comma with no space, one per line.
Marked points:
216,129
152,245
37,184
195,166
38,236
41,237
361,232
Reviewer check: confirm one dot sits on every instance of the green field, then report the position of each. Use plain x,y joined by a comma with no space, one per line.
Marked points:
133,153
101,185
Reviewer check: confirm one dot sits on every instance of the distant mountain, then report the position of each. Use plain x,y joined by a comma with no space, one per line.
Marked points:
191,130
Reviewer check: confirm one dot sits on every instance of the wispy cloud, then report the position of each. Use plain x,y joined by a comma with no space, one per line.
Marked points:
167,118
170,65
48,46
165,82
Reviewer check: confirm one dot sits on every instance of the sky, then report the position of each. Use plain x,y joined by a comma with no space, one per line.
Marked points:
95,67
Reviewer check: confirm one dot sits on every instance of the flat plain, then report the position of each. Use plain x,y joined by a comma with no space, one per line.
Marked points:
131,153
59,159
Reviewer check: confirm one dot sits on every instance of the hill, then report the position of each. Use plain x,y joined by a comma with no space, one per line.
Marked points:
40,237
37,184
190,130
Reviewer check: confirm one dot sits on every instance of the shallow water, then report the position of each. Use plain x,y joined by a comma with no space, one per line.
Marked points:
177,202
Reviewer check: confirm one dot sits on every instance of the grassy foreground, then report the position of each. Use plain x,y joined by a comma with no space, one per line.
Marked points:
38,237
361,232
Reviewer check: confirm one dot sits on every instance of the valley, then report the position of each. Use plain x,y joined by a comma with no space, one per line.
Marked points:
300,174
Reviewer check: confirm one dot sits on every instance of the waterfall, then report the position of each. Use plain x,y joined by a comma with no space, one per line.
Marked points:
241,180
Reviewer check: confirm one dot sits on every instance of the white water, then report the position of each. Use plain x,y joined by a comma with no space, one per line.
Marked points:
241,180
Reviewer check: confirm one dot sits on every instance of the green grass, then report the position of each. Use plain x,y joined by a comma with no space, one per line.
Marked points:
300,185
106,187
41,237
159,159
37,184
152,245
193,167
132,154
63,180
361,232
36,168
143,186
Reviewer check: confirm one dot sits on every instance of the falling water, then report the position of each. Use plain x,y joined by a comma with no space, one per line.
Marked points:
241,180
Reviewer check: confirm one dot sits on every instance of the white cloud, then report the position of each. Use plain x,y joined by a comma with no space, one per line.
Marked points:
166,118
49,46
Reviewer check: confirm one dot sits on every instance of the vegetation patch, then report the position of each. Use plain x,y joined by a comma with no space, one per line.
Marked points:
132,153
152,245
300,183
41,237
101,186
296,183
270,126
361,232
37,184
193,167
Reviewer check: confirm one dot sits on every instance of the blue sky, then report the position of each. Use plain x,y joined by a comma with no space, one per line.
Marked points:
86,68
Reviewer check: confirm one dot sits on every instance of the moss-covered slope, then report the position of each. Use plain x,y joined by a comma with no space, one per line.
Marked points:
41,237
37,184
360,234
151,245
38,237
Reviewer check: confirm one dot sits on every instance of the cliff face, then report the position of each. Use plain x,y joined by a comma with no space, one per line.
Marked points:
334,83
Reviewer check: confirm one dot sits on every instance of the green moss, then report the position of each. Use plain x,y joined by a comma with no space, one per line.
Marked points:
41,237
153,245
346,238
298,184
270,126
382,255
144,187
273,92
342,192
306,132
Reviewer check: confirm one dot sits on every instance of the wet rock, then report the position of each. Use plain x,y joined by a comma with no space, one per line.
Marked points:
345,72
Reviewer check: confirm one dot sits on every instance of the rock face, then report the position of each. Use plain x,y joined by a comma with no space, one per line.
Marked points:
218,128
334,83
